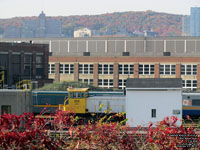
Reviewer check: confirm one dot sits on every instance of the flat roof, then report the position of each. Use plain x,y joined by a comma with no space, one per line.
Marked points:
152,83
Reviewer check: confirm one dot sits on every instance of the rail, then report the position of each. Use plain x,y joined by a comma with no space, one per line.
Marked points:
2,80
24,85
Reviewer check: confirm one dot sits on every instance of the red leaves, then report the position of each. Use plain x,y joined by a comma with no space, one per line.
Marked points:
29,132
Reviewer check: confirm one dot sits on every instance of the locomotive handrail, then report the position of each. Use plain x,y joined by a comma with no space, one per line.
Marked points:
65,103
2,79
24,84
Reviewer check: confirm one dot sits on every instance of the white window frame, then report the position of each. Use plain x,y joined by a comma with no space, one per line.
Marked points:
122,71
192,87
88,81
61,69
184,72
149,70
50,70
83,66
103,83
71,71
109,67
123,83
170,70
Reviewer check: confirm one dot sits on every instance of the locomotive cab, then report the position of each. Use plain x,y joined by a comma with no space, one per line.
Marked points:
76,101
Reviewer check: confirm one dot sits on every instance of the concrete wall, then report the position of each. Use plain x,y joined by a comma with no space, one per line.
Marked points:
110,46
20,101
139,105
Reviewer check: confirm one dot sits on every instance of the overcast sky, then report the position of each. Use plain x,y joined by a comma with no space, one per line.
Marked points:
13,8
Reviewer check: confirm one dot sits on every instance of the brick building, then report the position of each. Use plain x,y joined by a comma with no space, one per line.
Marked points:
108,62
24,61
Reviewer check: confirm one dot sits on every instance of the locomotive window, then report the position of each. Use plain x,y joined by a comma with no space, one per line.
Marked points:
86,94
76,95
196,102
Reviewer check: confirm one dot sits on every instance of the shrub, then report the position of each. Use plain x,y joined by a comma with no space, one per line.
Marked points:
64,130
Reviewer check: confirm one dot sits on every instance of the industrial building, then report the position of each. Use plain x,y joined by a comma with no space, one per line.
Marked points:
23,61
15,101
108,61
146,94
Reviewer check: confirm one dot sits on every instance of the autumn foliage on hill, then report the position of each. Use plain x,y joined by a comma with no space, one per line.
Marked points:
114,23
65,131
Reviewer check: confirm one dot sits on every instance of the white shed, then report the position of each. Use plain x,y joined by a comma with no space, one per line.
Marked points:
151,100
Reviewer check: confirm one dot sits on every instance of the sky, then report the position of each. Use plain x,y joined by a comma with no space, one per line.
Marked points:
18,8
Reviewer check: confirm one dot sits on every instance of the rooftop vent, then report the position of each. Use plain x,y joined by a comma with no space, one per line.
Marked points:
86,53
125,54
166,54
50,53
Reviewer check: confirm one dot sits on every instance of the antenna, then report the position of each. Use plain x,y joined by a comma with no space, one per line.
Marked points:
42,5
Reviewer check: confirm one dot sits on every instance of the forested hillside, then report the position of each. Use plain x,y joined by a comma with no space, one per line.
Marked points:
113,23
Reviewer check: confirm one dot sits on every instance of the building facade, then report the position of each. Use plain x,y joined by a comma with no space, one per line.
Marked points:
186,25
108,62
15,102
84,32
195,21
146,94
21,61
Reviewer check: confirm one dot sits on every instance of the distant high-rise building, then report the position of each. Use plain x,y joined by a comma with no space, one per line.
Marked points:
186,25
195,21
41,26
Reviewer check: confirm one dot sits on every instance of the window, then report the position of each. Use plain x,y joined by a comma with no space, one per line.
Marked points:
190,84
146,69
86,68
126,69
188,69
66,68
167,69
16,64
195,102
51,68
88,81
153,113
61,68
122,83
16,67
28,66
6,109
105,83
39,66
105,68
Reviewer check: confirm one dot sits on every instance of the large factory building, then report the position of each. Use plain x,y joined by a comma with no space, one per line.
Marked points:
23,61
108,62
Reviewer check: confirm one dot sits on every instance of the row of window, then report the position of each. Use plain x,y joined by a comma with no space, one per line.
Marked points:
88,81
105,83
125,69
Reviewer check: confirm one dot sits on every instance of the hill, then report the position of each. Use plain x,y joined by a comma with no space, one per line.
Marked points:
113,23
